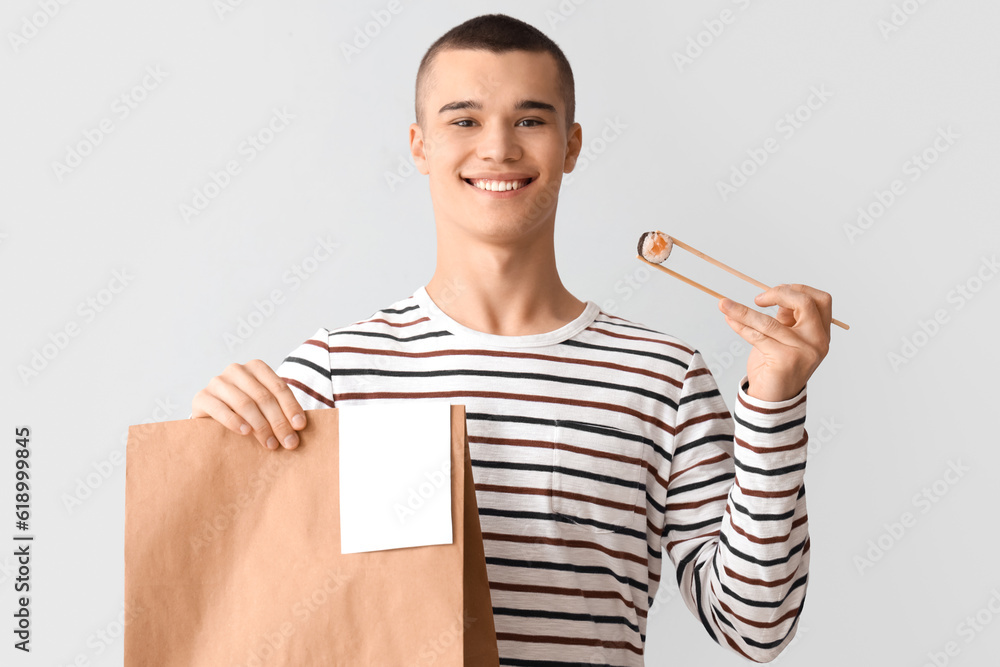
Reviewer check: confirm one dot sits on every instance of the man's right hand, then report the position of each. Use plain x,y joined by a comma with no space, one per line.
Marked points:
251,397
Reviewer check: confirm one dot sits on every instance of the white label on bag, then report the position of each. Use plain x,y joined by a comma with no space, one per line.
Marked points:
395,475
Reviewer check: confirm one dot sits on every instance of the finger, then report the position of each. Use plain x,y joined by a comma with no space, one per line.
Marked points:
765,325
786,316
820,300
206,405
225,389
245,378
281,392
823,301
762,342
809,320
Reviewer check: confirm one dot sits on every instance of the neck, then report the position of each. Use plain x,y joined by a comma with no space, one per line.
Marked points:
507,289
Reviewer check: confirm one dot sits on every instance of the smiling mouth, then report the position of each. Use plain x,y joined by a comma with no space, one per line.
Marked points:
498,186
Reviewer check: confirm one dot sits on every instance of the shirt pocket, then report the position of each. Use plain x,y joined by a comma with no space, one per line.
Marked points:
598,474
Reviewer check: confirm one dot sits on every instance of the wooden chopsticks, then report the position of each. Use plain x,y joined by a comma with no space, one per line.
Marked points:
717,263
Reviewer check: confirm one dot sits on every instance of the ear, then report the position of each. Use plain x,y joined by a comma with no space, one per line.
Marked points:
574,144
417,148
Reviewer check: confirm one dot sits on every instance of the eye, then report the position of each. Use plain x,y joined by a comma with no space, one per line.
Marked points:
535,122
464,120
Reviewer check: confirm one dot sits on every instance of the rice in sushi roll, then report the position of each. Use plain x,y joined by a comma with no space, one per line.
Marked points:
655,247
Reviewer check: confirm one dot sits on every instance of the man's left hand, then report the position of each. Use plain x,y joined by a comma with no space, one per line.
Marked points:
787,348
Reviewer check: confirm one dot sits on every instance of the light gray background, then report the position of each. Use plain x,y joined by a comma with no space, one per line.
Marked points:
880,434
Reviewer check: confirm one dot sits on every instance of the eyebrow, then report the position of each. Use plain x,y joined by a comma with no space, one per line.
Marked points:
523,105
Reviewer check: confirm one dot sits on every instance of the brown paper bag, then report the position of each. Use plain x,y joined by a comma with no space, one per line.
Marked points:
232,557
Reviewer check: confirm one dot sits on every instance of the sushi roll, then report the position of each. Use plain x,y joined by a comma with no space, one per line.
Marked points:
655,247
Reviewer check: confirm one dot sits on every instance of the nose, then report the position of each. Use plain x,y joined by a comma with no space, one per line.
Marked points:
498,142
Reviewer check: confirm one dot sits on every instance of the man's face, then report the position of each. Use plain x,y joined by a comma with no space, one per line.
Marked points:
494,117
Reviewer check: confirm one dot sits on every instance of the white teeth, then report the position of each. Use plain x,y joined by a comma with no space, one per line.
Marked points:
499,186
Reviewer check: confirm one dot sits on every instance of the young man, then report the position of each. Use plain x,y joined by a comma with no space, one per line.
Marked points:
596,442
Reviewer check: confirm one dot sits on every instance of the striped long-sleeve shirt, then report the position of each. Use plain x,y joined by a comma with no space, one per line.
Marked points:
595,447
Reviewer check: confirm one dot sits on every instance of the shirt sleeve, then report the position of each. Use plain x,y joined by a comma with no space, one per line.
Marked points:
306,370
735,524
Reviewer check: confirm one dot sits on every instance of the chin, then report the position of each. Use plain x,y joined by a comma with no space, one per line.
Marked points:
501,228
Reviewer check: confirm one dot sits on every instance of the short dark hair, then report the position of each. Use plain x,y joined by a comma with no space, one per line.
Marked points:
499,33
